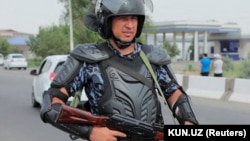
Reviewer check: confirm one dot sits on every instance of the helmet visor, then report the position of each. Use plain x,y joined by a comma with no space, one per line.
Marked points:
115,5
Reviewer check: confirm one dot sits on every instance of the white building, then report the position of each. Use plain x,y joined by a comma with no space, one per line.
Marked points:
207,37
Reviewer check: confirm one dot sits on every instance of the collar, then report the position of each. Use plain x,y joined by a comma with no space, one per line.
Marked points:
130,56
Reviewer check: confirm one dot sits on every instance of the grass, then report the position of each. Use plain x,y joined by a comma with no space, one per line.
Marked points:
233,73
34,63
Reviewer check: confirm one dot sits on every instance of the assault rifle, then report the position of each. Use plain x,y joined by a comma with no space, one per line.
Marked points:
130,126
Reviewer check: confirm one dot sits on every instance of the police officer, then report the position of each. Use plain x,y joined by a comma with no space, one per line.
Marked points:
106,71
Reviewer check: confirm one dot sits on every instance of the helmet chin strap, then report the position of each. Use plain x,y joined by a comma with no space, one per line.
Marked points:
121,44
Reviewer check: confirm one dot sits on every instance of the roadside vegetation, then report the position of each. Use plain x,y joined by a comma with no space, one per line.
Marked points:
231,69
34,63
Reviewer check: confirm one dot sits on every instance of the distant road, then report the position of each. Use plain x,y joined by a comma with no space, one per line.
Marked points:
20,122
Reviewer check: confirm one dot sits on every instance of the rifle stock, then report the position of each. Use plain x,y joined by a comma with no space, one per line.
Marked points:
80,117
71,115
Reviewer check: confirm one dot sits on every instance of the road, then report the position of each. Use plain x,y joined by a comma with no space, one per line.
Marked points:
20,122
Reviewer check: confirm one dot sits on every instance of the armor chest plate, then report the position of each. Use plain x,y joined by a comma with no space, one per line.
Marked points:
126,94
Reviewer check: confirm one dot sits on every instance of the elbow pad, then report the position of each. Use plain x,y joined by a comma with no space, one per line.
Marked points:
49,114
182,110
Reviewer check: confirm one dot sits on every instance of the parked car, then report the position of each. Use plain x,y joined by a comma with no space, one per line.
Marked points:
15,60
44,76
1,59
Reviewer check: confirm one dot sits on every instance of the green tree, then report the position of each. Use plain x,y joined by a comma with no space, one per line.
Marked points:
148,28
171,49
50,40
191,49
5,47
81,33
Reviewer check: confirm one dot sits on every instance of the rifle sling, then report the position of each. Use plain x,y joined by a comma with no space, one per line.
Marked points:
145,60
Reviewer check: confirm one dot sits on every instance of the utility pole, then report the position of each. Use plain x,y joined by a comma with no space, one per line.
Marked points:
71,27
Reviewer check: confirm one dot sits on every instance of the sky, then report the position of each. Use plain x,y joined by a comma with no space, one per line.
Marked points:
28,15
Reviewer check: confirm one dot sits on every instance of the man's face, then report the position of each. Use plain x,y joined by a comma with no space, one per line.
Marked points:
124,27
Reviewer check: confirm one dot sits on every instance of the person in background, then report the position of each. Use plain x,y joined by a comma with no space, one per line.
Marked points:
218,66
205,65
104,70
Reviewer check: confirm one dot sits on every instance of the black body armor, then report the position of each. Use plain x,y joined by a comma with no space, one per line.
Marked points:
125,94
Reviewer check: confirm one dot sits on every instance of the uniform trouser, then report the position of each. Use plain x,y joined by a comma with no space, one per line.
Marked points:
204,73
218,75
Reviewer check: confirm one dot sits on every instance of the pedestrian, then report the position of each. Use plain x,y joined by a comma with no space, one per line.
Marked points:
205,65
218,65
115,77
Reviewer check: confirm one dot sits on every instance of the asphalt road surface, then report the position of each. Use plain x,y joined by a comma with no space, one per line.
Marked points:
20,122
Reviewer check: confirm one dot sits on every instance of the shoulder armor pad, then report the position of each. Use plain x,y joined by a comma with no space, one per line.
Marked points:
67,72
89,53
156,55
